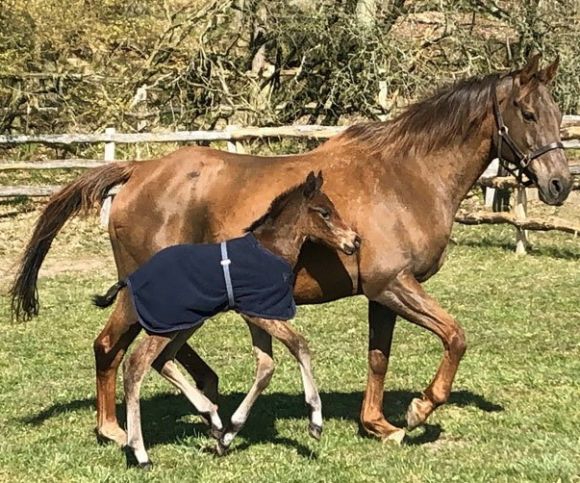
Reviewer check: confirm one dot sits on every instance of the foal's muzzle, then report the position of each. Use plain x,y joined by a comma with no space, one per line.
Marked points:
351,246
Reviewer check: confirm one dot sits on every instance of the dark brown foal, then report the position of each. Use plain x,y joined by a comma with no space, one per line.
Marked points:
301,213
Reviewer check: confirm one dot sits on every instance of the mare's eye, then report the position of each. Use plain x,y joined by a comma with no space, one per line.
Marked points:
529,116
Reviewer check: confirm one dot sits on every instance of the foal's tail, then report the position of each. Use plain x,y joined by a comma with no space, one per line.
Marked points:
103,301
79,196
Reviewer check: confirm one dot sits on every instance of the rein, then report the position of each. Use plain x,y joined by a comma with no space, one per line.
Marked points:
522,160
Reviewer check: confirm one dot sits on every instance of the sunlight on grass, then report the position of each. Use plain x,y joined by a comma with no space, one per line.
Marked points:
513,415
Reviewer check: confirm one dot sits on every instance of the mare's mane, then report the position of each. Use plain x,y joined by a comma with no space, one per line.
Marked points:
451,114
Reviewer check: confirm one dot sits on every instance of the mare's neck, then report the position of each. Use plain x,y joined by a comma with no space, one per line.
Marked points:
281,237
461,165
457,168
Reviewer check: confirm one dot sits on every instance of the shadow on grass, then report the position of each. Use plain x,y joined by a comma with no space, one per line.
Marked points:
535,250
163,415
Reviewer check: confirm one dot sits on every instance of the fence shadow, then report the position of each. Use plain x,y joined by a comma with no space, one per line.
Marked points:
543,250
163,415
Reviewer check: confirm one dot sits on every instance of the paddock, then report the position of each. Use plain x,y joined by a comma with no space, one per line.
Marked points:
512,413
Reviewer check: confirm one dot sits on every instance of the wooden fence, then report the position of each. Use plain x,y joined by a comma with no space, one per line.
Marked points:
235,135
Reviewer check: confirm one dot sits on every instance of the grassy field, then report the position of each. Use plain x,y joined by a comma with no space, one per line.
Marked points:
513,415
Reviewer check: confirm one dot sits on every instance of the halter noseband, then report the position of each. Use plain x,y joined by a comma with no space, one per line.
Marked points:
522,161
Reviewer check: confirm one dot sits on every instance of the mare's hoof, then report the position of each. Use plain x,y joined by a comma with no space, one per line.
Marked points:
112,434
396,437
417,413
315,431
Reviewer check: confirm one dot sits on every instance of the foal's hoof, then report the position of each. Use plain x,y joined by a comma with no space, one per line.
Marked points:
417,413
216,433
315,431
220,448
132,461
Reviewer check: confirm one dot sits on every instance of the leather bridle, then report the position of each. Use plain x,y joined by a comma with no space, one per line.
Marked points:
522,161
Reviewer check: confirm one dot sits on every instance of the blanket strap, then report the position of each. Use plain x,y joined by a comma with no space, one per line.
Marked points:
226,268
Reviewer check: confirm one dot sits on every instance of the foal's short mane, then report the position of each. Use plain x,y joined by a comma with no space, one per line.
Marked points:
276,207
451,114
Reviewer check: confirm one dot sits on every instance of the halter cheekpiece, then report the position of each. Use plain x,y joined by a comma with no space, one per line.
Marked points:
522,161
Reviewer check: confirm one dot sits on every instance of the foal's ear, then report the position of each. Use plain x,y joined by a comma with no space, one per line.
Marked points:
530,70
547,75
319,180
310,185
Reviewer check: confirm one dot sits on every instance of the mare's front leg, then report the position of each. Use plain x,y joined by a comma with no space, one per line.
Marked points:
381,327
406,297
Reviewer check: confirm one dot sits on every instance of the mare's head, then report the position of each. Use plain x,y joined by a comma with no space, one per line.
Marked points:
533,119
309,214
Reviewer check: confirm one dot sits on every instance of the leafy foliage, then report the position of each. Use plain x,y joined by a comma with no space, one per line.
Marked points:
85,64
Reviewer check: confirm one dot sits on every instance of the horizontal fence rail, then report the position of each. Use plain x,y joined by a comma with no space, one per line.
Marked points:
570,132
233,135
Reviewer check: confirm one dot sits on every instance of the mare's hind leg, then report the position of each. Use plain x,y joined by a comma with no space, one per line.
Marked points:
134,370
109,348
405,296
203,375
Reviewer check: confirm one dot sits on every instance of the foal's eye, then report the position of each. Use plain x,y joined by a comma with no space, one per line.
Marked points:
324,213
529,116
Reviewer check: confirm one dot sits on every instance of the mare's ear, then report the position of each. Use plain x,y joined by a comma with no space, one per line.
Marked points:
319,181
547,75
530,70
310,185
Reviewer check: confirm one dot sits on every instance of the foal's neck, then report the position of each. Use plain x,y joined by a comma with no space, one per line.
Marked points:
281,236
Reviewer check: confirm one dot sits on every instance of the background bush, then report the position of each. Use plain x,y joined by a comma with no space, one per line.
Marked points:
81,65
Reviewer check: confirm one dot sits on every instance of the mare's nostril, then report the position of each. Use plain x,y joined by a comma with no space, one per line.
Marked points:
556,186
357,242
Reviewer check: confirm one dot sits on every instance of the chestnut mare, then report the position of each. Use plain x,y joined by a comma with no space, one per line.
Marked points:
398,184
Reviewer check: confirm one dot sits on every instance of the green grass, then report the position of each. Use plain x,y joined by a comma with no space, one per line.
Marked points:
513,415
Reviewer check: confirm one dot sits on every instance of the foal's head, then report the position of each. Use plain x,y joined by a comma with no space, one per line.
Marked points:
309,214
533,119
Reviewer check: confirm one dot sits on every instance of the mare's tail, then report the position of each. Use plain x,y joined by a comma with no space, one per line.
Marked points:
103,301
82,194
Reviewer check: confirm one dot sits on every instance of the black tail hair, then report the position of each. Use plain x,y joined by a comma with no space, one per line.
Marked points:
103,301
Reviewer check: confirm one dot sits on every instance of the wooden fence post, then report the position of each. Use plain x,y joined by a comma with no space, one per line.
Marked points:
490,172
110,146
520,212
235,146
108,201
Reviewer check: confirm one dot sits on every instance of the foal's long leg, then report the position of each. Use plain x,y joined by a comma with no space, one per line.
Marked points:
110,347
135,369
406,297
381,326
262,343
298,346
166,366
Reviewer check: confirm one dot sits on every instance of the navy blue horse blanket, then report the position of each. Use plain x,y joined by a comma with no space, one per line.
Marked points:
182,285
